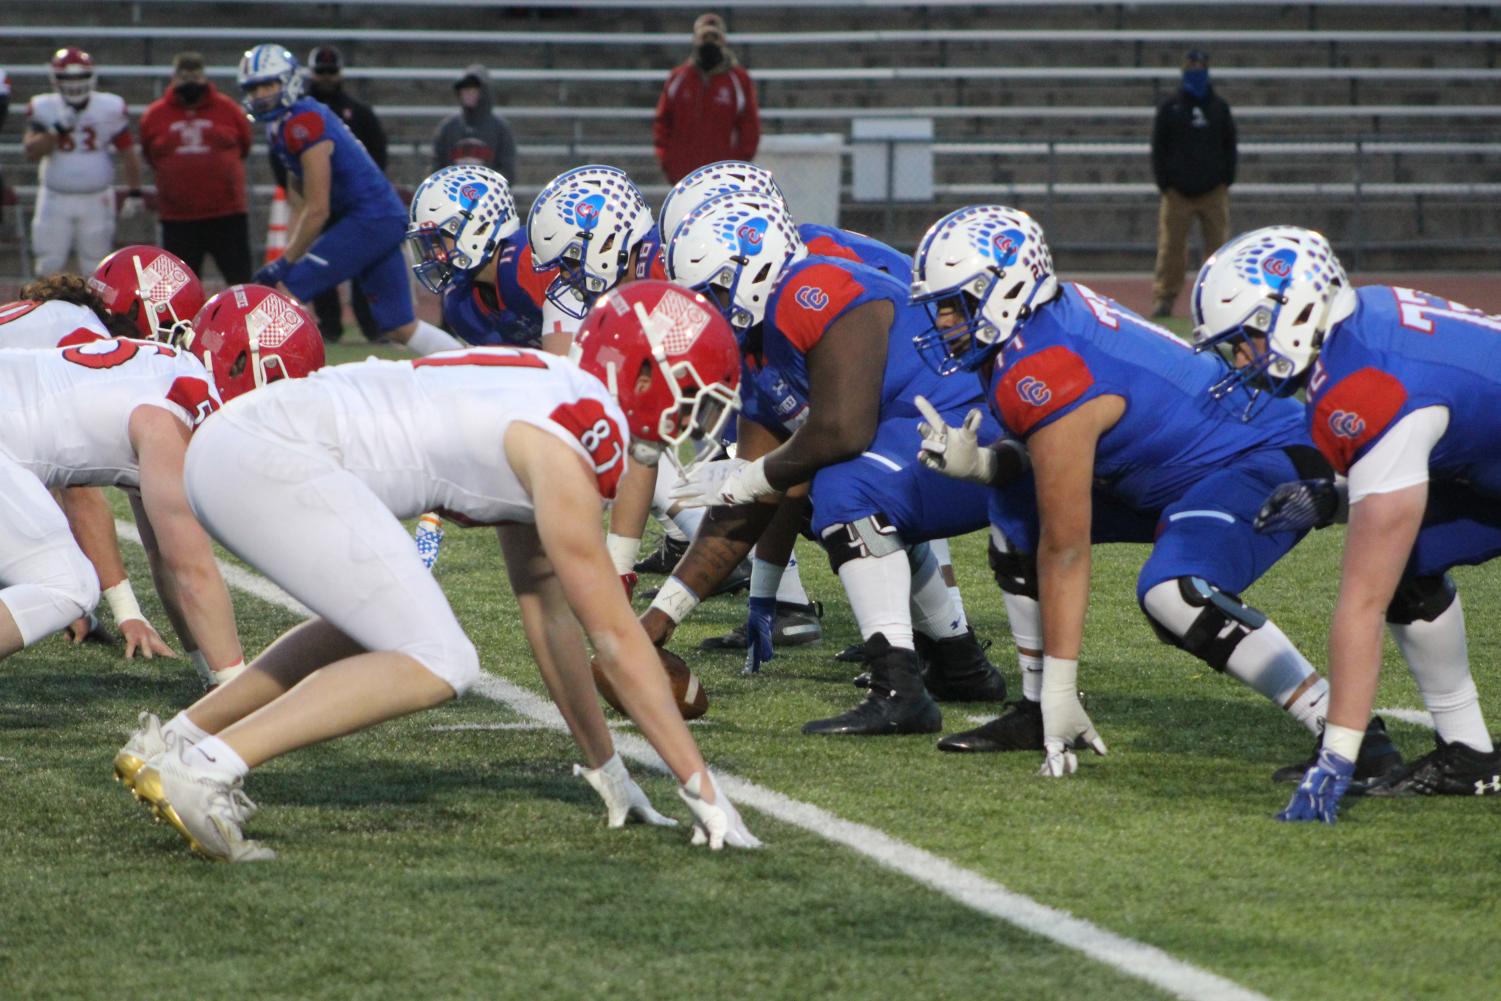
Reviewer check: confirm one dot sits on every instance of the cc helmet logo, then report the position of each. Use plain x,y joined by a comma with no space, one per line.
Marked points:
1346,424
1005,245
751,234
1279,265
1034,391
587,211
811,297
472,192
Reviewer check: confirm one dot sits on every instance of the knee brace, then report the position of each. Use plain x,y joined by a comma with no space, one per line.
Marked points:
1421,599
1200,618
1015,573
873,535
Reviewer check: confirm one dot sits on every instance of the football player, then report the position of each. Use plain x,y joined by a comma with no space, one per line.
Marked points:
120,412
467,241
1404,392
1113,411
522,440
830,374
73,133
334,184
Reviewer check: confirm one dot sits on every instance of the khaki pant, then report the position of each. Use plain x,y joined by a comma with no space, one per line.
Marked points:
1177,213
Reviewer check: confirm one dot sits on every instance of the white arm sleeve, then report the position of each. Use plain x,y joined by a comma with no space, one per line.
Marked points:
1400,458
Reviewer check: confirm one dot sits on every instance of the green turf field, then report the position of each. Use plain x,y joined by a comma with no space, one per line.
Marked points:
436,858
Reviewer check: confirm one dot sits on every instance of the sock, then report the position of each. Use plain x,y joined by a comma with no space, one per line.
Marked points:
187,731
688,519
790,591
1312,707
933,612
1025,616
1031,665
1438,656
428,339
217,759
878,588
940,549
671,530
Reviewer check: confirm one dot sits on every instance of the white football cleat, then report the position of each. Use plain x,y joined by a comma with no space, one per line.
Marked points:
144,744
206,811
716,824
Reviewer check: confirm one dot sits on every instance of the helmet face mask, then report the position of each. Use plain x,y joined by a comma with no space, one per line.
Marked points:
586,223
264,65
733,249
72,73
458,219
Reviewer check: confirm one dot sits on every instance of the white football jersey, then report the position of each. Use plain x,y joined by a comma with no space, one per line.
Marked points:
28,324
64,414
428,434
83,160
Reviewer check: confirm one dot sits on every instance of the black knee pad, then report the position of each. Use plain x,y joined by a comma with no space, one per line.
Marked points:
1223,620
1421,599
874,535
1015,573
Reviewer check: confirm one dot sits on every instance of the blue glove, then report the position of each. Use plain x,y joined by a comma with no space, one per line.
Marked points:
758,626
273,273
1318,795
1299,506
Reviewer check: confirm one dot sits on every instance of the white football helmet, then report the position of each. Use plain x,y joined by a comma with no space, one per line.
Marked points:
1283,282
733,248
458,218
585,223
265,63
993,263
706,182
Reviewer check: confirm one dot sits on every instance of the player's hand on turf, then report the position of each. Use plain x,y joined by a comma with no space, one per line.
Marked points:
731,481
715,824
658,625
954,450
140,637
624,800
1317,796
1064,722
759,622
272,274
87,627
1301,505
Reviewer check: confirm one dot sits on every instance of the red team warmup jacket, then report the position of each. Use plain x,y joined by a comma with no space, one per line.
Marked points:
704,119
198,155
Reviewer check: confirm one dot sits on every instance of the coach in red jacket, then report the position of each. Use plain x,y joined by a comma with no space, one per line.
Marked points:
707,111
196,140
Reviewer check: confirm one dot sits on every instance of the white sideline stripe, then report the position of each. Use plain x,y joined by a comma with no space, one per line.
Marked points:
1417,717
624,724
1136,959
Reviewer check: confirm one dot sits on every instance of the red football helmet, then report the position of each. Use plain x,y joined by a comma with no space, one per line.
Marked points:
249,335
669,357
73,75
149,286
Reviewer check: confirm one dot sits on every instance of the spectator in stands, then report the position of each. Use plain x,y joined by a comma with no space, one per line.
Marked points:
707,111
1193,162
326,83
475,135
196,141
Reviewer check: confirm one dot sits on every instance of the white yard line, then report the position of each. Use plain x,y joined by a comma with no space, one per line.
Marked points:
1136,959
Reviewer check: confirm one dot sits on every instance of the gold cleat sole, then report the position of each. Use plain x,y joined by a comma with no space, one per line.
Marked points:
148,789
127,767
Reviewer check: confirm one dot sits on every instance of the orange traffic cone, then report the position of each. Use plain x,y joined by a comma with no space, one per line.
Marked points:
276,228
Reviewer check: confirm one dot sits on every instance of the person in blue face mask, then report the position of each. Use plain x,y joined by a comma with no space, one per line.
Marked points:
1193,163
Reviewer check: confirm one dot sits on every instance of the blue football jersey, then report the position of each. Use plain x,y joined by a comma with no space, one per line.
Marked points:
846,244
357,188
515,317
1402,351
1081,346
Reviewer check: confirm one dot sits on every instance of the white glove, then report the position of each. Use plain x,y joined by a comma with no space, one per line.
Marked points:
716,824
733,481
132,206
954,451
624,800
67,118
1064,721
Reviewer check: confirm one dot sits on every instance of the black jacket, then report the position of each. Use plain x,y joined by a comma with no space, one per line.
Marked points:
1193,144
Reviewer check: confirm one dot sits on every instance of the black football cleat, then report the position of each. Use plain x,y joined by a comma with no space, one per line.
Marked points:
1378,759
895,703
794,625
957,670
852,654
1019,728
665,559
1449,770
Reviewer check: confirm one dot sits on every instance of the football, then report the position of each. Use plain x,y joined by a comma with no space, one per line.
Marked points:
691,698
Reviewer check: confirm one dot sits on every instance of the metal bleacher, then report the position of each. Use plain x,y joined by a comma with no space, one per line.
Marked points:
1377,119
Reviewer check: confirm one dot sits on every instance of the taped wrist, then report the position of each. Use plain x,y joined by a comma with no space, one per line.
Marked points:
675,600
122,602
1060,677
623,552
766,578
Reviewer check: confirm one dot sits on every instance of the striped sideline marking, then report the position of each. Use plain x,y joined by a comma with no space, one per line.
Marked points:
1136,959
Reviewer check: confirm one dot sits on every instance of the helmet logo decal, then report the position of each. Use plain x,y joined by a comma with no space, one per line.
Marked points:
586,212
471,192
1278,266
1034,391
811,297
272,322
750,235
1005,245
1346,424
162,279
677,320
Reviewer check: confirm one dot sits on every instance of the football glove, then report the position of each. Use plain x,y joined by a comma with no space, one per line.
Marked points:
132,205
1064,721
733,481
272,274
954,451
1317,796
759,621
67,118
1301,505
624,800
715,824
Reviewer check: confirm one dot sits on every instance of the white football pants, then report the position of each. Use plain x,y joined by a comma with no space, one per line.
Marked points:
45,579
64,223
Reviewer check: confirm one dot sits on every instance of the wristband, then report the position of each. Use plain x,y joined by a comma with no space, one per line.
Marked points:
1060,676
766,578
754,478
622,552
122,602
1342,740
675,600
